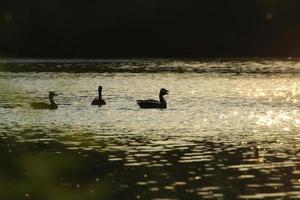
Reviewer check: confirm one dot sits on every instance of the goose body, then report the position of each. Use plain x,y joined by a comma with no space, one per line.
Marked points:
98,100
151,103
42,105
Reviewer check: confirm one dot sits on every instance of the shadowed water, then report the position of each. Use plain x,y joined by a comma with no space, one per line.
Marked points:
228,132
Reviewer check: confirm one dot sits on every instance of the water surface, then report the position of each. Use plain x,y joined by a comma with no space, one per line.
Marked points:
231,130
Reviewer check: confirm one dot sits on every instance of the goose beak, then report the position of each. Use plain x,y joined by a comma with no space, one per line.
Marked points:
167,91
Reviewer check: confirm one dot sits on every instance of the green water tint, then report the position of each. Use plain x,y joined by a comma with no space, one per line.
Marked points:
31,172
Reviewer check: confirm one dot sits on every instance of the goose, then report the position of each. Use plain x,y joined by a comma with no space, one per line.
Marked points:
150,103
42,105
98,100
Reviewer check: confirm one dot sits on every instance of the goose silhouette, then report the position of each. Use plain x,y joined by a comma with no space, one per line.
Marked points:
42,105
150,103
98,100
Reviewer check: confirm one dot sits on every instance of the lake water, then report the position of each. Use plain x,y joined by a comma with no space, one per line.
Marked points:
231,130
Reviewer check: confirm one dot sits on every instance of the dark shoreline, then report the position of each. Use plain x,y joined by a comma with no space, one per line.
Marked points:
221,65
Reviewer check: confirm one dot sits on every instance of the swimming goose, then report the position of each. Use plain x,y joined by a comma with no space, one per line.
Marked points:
98,100
42,105
150,103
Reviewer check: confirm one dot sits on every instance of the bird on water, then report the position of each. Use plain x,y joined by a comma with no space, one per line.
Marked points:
98,100
42,105
150,103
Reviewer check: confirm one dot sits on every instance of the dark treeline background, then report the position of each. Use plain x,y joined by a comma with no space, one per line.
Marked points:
149,28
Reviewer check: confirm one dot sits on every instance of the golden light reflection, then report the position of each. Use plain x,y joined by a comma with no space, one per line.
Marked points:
272,118
275,91
281,94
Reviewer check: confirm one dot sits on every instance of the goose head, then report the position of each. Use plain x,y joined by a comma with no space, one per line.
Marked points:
163,91
99,88
52,94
